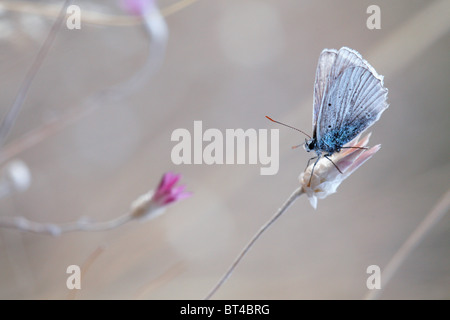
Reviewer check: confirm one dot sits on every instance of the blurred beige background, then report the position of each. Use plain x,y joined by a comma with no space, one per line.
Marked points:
228,63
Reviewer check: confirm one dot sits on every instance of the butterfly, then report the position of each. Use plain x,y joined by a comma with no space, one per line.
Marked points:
349,96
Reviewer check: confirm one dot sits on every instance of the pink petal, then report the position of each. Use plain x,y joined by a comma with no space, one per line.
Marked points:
364,141
177,190
166,192
137,7
349,158
355,143
169,200
364,157
162,186
177,197
172,181
184,195
167,181
163,181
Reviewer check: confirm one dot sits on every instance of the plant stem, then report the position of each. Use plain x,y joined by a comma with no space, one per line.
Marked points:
411,243
157,33
23,224
278,214
13,112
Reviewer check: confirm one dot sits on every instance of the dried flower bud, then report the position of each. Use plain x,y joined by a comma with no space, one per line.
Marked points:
326,178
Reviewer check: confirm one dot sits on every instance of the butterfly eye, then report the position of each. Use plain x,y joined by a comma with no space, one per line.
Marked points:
310,145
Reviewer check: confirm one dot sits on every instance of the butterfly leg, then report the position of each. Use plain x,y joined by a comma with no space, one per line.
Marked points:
309,161
312,170
364,148
327,156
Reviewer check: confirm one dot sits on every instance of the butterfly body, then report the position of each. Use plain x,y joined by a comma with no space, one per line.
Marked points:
332,141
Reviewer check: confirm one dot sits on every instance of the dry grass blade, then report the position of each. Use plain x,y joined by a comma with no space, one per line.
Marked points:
436,214
13,112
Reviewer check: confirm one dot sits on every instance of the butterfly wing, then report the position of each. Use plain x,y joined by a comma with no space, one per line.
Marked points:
346,58
326,61
353,101
330,66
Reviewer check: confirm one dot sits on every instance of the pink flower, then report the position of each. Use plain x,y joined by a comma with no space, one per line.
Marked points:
153,203
137,7
326,178
167,192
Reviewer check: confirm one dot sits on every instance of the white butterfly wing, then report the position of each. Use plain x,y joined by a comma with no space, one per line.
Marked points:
346,58
326,61
353,102
330,66
336,111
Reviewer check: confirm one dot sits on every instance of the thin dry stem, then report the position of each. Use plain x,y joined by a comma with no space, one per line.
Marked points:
432,218
156,30
11,116
280,211
23,224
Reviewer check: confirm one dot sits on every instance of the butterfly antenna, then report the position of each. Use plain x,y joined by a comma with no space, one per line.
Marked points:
288,127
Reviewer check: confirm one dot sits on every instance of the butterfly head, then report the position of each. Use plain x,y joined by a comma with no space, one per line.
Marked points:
310,144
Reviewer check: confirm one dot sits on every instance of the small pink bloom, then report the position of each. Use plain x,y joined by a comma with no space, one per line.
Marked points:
326,178
167,192
153,203
137,7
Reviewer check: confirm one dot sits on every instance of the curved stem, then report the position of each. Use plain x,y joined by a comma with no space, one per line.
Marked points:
278,214
157,31
23,224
